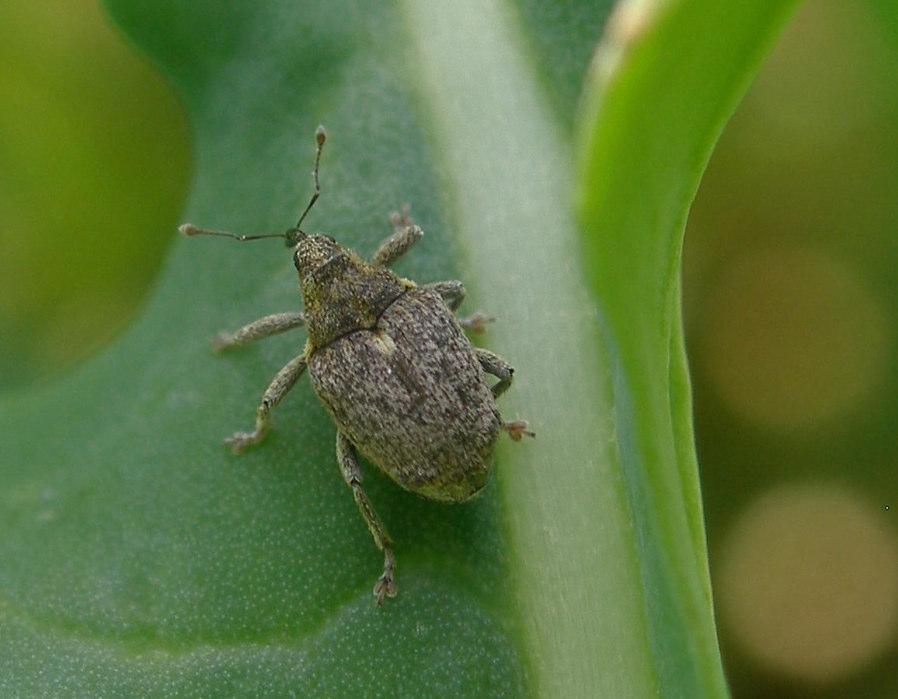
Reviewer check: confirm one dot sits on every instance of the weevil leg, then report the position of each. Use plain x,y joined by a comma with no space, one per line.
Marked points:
518,429
352,474
405,234
402,218
264,327
493,364
453,293
476,322
273,395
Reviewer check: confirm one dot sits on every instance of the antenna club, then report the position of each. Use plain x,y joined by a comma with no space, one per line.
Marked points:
320,135
188,229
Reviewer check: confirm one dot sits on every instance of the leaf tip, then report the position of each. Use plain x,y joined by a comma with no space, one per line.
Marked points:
627,23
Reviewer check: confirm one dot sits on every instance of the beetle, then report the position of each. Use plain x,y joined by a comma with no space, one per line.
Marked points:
391,364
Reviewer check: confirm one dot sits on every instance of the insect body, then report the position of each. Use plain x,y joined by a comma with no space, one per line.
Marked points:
389,360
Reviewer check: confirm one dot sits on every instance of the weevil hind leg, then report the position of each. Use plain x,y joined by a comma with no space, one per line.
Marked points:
258,329
493,364
352,474
277,389
453,293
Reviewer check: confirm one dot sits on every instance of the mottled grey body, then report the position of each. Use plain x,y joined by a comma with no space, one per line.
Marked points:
390,362
410,394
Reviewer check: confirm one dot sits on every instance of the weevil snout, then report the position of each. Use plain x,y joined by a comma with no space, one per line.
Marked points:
316,253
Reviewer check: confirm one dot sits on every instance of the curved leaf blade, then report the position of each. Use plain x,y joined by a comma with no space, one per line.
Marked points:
664,81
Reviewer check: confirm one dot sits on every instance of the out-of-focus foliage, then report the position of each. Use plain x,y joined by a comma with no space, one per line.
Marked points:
93,163
792,326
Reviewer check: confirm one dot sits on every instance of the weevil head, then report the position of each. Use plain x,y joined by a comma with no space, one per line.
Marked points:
320,260
340,291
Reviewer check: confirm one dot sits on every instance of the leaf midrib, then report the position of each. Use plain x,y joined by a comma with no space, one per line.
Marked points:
564,508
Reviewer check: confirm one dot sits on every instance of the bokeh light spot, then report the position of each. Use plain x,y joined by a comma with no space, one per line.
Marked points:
808,582
794,337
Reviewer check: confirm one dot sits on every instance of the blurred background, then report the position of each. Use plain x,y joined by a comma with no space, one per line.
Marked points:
790,290
792,328
92,143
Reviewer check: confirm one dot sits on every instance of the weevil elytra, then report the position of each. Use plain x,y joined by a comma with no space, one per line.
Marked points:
390,362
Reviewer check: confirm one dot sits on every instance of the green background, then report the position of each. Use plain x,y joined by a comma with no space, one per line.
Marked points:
173,568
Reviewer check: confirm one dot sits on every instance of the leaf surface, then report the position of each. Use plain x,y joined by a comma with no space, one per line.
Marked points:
142,558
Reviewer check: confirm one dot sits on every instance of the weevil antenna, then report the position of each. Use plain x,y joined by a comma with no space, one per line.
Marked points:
189,229
295,233
320,138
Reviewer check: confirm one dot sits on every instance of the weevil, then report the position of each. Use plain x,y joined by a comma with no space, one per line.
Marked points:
391,364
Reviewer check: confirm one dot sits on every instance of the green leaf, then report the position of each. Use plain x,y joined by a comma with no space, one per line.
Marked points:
141,558
662,85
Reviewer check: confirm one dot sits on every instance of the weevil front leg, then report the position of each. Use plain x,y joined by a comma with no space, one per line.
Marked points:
276,390
405,234
493,364
264,327
453,293
352,474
